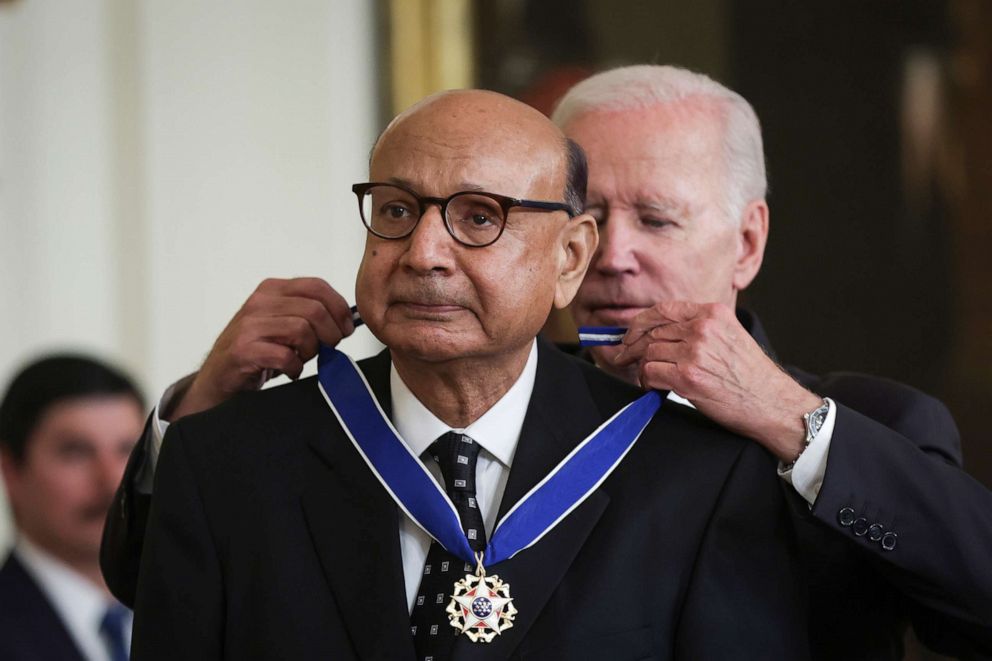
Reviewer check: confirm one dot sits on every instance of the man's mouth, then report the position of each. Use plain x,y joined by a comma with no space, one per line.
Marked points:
427,310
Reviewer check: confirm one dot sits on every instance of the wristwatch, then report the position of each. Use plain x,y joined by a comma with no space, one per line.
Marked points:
814,422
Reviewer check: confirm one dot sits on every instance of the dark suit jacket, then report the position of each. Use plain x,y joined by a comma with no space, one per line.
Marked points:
269,538
30,629
895,460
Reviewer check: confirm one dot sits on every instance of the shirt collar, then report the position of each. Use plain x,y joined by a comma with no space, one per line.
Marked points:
497,430
679,399
79,603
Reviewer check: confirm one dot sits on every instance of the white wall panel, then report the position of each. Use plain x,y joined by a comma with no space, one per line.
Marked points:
158,159
257,124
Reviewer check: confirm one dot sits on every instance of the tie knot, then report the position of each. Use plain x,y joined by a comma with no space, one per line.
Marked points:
456,454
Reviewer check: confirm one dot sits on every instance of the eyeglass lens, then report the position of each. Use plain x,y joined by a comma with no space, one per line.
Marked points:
471,218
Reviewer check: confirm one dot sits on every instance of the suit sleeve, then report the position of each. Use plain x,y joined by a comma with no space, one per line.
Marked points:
923,521
747,594
124,531
179,607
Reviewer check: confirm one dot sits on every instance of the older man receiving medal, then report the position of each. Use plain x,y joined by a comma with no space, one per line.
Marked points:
469,493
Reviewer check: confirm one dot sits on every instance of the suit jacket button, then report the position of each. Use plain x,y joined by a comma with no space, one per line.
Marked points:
845,516
889,541
875,531
860,526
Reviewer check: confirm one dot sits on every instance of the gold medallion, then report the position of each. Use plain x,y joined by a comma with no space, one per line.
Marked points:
481,606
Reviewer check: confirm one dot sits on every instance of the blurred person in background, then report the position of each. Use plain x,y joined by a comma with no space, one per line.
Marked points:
67,426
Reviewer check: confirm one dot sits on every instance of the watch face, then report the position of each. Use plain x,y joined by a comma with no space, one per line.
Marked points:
815,420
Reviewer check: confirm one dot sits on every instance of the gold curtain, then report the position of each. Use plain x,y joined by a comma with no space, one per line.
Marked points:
430,48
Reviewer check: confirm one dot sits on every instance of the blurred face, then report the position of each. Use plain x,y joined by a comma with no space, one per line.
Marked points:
72,465
655,179
428,296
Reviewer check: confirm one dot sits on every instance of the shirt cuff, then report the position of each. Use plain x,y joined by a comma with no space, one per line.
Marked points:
806,475
158,427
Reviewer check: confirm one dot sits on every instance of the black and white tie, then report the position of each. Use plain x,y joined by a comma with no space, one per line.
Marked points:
433,636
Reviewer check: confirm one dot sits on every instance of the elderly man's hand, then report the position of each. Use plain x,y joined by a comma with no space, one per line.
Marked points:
277,330
702,352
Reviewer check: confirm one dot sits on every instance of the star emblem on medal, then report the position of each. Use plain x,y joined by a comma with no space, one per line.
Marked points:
481,607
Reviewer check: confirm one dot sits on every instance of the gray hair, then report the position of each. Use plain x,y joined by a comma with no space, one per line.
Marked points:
646,85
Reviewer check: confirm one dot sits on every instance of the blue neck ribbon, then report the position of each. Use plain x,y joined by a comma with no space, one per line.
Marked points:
418,494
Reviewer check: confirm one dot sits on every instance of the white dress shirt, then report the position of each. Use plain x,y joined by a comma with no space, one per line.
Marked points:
806,475
497,433
79,604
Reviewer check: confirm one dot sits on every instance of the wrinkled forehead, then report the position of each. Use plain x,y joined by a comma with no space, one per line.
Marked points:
684,128
467,142
641,153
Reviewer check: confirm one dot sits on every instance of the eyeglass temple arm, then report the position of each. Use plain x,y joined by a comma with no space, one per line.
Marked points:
549,206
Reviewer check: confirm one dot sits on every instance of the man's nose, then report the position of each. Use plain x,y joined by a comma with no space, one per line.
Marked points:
430,244
616,253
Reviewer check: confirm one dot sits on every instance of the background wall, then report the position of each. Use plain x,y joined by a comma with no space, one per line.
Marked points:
159,159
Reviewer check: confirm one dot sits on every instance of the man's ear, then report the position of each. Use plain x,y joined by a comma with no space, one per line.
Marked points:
578,242
9,472
751,240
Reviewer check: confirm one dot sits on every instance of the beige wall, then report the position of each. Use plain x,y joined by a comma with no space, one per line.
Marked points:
159,158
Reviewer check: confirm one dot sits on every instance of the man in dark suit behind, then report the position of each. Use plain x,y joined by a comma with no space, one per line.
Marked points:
67,426
269,537
891,529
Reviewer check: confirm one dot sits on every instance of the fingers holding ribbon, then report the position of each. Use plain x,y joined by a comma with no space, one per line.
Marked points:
698,350
276,331
310,299
703,353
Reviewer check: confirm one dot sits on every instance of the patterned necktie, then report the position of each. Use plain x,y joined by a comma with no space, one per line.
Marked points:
433,636
112,631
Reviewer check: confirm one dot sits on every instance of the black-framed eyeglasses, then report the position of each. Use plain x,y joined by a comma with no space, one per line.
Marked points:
472,218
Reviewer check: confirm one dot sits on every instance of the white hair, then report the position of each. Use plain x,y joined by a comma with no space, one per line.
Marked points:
646,85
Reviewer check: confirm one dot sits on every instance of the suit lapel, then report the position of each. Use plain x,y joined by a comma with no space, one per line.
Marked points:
533,575
33,618
354,526
753,326
562,412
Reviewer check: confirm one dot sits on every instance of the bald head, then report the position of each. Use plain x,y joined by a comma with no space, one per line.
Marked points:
480,113
473,116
